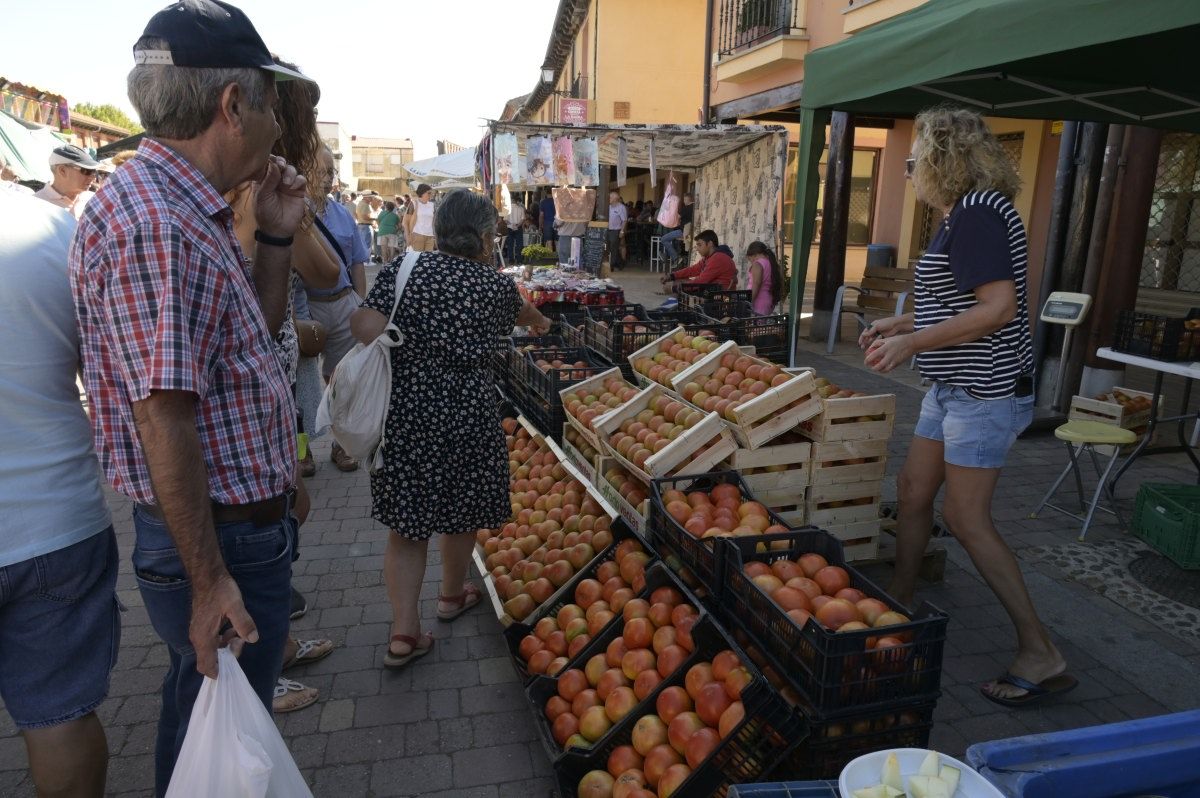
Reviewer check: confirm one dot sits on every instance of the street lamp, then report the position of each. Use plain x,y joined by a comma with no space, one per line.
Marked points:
547,74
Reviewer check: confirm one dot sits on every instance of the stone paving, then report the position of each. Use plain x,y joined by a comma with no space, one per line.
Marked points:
456,723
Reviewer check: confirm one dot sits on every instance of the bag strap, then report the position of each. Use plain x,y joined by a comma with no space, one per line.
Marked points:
325,231
402,275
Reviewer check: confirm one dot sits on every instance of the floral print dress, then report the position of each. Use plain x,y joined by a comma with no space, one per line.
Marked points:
445,462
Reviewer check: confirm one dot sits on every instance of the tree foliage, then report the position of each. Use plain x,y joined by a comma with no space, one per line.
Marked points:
108,113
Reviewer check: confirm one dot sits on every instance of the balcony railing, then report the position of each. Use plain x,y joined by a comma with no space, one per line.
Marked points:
745,23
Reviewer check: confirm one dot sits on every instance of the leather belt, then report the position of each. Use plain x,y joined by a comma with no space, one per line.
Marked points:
331,297
261,513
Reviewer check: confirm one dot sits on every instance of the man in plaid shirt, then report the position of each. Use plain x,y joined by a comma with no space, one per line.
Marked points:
192,413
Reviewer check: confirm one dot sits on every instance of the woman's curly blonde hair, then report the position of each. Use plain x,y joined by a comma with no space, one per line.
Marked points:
956,153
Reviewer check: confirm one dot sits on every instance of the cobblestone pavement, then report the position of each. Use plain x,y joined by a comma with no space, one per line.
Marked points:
456,723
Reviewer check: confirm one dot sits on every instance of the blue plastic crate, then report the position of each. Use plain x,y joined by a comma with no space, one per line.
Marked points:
785,789
1157,756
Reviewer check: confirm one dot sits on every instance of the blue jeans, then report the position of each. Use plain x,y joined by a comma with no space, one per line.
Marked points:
260,561
513,245
975,433
59,632
368,236
667,242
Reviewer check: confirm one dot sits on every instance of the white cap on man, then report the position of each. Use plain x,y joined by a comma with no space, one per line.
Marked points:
74,156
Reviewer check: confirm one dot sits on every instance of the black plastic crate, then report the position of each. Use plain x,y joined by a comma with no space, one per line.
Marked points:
541,688
536,392
769,732
687,555
553,310
692,296
832,671
615,341
1156,337
565,595
548,417
769,335
572,327
615,312
833,744
508,351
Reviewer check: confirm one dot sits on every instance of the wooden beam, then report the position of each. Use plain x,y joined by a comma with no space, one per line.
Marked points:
831,257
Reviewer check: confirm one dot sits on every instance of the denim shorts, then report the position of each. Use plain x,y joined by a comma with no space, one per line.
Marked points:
60,629
977,433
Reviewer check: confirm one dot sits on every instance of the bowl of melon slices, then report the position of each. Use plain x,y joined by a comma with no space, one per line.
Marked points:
912,773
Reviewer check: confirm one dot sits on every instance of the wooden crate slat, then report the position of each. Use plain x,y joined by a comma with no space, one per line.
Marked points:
822,428
627,511
592,382
842,515
781,454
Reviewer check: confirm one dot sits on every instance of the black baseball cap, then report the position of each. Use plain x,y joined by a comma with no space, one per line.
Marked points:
209,34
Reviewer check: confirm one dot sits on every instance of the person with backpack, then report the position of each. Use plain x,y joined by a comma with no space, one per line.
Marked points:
443,467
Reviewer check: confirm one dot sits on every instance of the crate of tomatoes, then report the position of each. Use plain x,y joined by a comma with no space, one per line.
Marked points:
839,641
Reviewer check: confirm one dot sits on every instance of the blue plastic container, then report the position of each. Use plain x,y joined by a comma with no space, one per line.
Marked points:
1157,756
785,789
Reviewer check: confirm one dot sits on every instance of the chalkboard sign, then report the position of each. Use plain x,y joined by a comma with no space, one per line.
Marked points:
593,248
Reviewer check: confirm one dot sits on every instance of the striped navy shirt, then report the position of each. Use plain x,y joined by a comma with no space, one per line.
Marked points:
982,241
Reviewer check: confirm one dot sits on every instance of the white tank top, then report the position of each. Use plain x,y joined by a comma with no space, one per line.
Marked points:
424,224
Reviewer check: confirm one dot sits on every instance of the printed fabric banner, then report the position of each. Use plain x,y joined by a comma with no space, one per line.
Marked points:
505,152
539,155
587,162
622,162
564,160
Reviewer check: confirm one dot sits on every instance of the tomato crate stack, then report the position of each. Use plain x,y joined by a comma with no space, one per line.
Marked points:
864,670
701,719
542,375
615,331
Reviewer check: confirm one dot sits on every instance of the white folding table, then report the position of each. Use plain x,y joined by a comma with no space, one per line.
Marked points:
1189,371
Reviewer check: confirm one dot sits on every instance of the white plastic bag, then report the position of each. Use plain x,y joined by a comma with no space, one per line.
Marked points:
355,403
232,747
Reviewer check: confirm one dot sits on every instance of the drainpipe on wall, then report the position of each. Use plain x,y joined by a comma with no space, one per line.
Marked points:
705,108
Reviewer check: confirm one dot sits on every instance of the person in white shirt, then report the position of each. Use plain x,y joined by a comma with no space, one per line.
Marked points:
74,172
418,222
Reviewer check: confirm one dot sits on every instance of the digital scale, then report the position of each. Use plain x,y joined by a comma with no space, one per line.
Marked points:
1068,310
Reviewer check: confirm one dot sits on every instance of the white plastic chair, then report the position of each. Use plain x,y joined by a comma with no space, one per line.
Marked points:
860,316
656,259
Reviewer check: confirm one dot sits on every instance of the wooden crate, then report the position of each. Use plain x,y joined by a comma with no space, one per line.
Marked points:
838,419
766,416
650,350
585,465
849,461
596,382
860,539
627,511
1112,412
671,460
792,461
826,503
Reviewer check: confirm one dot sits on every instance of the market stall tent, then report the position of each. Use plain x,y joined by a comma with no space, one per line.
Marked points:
27,147
451,166
1089,60
737,169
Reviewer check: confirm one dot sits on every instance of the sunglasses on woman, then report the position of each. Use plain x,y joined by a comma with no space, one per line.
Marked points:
909,165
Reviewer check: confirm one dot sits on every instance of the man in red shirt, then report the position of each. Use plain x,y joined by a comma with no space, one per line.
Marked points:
715,266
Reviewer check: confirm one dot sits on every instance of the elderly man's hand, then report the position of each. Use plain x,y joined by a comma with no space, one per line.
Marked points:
280,199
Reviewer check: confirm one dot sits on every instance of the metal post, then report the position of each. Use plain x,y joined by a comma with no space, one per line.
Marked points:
831,258
1064,180
804,210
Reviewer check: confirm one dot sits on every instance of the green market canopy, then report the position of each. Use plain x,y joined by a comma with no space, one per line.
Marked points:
1111,61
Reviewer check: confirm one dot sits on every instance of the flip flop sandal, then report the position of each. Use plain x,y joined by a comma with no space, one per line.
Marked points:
464,601
291,695
416,651
1055,685
309,651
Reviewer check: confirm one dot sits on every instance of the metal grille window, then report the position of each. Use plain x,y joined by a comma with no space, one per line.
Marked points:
1172,256
745,23
863,176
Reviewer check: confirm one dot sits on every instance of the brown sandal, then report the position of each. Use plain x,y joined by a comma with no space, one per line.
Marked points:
464,601
416,651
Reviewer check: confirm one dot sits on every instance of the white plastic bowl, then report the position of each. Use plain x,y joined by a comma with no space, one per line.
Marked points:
867,769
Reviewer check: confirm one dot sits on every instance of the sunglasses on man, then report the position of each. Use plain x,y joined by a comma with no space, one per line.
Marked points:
909,165
87,172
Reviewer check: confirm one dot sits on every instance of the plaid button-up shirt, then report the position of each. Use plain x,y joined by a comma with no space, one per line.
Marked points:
166,301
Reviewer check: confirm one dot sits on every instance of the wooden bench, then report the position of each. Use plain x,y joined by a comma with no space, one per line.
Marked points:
884,291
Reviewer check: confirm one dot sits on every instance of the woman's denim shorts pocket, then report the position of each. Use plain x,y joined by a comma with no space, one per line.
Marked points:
976,433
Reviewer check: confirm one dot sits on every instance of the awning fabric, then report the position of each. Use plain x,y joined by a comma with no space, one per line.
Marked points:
27,147
455,165
1097,60
675,146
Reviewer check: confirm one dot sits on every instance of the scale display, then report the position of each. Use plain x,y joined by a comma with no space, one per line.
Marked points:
1065,308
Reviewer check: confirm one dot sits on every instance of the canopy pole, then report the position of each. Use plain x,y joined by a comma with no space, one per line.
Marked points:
1060,210
804,210
831,258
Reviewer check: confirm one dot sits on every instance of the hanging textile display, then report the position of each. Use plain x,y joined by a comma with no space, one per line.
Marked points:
564,160
622,161
574,204
587,162
653,167
539,155
504,148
